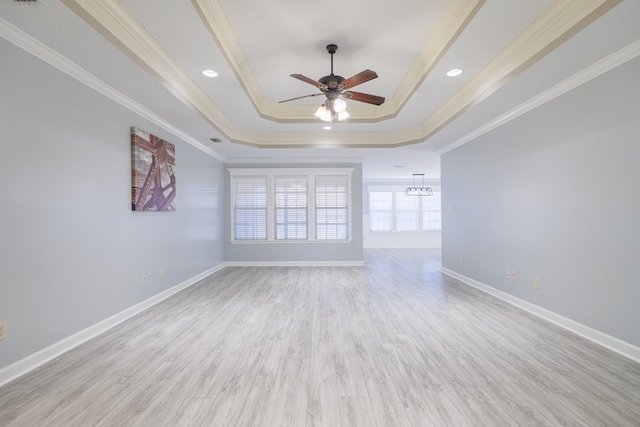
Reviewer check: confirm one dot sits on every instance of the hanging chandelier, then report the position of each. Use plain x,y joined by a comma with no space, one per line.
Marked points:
418,191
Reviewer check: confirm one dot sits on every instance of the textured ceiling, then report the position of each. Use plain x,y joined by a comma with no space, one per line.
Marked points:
513,53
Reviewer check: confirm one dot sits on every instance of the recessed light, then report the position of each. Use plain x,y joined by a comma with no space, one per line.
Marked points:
210,73
326,127
454,72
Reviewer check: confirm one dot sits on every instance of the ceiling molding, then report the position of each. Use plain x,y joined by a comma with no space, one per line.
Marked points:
293,161
215,20
559,22
604,65
112,20
455,20
53,58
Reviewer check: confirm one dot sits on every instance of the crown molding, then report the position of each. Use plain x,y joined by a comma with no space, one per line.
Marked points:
455,20
329,140
112,20
215,20
604,65
559,22
53,58
292,161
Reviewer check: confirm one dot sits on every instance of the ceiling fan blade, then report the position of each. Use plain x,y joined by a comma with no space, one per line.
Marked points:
359,78
308,80
364,97
300,97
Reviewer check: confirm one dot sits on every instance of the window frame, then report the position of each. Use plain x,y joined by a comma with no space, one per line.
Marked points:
420,209
270,174
289,179
262,210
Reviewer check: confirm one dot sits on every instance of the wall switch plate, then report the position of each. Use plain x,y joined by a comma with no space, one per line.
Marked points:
3,329
143,279
538,283
461,259
513,275
508,274
162,273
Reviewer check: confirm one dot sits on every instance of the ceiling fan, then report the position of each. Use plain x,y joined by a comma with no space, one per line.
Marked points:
337,87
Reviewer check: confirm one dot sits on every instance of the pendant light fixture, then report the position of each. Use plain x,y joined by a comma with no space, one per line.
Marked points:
418,191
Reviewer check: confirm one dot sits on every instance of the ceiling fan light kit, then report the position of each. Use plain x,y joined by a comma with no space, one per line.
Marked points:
328,114
336,89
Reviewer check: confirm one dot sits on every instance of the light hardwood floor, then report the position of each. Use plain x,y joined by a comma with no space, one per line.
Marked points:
393,343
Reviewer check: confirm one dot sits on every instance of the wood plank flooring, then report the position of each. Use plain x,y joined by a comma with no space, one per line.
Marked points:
393,343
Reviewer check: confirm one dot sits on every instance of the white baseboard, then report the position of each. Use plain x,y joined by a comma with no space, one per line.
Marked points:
399,246
612,343
294,263
21,367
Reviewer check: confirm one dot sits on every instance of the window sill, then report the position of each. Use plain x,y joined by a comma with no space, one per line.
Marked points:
289,242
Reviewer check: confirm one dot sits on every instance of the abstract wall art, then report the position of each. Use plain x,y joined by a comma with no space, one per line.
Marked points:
153,181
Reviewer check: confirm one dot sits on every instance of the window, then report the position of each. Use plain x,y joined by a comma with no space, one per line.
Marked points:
291,204
432,212
381,210
291,207
332,207
393,211
406,210
250,208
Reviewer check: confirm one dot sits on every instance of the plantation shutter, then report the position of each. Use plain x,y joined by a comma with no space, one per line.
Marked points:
291,207
250,208
332,207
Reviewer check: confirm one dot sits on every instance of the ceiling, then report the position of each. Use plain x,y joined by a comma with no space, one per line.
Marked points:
149,55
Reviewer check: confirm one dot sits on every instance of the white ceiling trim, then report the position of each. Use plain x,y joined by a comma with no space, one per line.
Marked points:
604,65
214,18
111,19
53,58
455,20
340,160
561,20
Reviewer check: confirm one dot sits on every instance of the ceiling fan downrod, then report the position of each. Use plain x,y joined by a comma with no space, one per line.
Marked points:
332,48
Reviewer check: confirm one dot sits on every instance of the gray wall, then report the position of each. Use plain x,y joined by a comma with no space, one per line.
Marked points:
73,252
315,252
555,194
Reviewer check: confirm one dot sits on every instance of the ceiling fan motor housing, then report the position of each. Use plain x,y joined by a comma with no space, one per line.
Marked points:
332,81
333,86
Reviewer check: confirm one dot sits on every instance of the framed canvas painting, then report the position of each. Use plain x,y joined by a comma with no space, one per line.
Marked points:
153,181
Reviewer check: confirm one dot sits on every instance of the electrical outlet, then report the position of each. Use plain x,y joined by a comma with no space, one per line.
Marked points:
3,329
461,259
513,275
508,274
334,250
162,273
538,283
143,279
